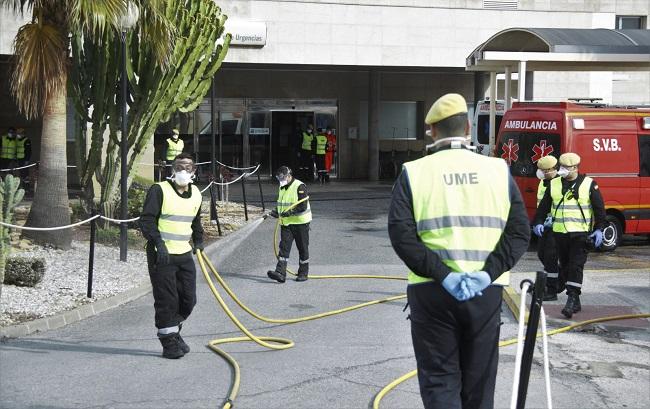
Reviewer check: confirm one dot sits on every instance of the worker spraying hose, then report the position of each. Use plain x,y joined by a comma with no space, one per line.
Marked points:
294,219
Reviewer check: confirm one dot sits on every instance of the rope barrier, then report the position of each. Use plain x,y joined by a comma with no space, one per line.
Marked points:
232,167
18,168
120,220
13,226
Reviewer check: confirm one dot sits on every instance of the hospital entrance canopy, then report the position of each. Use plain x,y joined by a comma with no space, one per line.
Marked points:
563,49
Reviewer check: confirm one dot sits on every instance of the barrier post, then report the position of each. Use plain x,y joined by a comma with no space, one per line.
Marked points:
214,214
259,183
531,334
91,254
243,190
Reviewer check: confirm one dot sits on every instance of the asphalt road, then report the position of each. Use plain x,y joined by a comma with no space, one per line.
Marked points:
112,360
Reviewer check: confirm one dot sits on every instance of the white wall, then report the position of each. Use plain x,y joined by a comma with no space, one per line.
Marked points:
9,25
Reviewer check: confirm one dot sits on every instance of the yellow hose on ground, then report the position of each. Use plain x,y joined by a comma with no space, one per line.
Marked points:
277,343
392,385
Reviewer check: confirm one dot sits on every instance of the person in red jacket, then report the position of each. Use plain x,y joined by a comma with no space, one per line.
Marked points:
329,153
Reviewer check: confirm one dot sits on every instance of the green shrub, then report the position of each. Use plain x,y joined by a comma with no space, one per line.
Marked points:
111,237
24,271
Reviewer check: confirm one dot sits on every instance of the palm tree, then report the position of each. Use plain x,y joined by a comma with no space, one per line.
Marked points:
39,80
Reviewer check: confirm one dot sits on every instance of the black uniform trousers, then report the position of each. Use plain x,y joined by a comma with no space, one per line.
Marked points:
307,165
572,254
299,232
456,346
547,254
174,287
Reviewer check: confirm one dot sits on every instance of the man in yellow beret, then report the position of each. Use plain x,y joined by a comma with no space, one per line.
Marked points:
546,251
458,222
576,206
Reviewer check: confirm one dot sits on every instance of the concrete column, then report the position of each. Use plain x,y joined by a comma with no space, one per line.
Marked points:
521,83
373,124
508,88
493,108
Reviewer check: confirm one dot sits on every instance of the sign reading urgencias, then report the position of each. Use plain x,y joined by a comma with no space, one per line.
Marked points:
244,32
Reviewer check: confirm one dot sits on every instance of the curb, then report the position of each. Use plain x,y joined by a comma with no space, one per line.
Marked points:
64,318
512,299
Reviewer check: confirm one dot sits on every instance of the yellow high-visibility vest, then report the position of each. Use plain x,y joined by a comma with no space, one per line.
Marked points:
176,216
567,214
174,148
8,148
20,148
286,198
461,202
307,138
321,144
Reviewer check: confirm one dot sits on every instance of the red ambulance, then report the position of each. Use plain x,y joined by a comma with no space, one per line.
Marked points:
614,147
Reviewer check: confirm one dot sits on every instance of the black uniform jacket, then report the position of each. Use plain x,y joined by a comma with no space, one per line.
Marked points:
151,213
597,203
402,230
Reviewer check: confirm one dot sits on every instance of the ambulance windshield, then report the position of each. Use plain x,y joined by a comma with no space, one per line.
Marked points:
483,128
521,150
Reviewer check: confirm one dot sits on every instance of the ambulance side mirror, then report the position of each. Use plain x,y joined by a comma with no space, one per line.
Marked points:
646,122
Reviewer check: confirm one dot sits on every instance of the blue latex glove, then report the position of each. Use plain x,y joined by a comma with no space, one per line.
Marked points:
475,282
597,237
452,283
548,223
538,230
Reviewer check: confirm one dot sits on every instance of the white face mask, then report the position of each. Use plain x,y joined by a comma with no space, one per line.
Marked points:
182,178
283,182
539,174
563,172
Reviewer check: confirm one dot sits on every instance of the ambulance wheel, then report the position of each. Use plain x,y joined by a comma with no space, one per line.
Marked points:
612,234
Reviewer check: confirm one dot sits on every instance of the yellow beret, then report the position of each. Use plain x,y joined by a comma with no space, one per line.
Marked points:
569,159
175,131
446,106
547,162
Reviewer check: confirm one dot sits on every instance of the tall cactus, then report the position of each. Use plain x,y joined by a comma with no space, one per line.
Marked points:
156,92
10,196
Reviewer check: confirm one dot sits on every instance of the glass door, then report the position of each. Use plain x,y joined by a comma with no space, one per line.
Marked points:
326,123
231,146
259,141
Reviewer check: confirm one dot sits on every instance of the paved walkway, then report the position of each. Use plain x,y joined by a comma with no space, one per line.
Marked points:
112,360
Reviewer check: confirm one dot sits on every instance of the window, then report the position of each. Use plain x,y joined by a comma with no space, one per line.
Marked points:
520,149
397,120
644,155
630,22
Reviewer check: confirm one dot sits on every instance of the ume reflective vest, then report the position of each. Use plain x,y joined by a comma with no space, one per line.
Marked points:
20,148
286,198
8,148
461,202
306,141
321,144
174,148
176,216
567,214
541,190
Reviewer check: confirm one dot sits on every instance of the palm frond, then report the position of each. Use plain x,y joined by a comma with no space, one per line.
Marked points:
93,17
14,5
156,29
40,66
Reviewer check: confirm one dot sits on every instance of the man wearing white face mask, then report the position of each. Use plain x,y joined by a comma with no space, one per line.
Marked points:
576,205
546,251
294,223
171,215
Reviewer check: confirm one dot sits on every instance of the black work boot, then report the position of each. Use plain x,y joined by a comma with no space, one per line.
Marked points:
550,294
303,272
572,305
184,347
280,273
171,347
